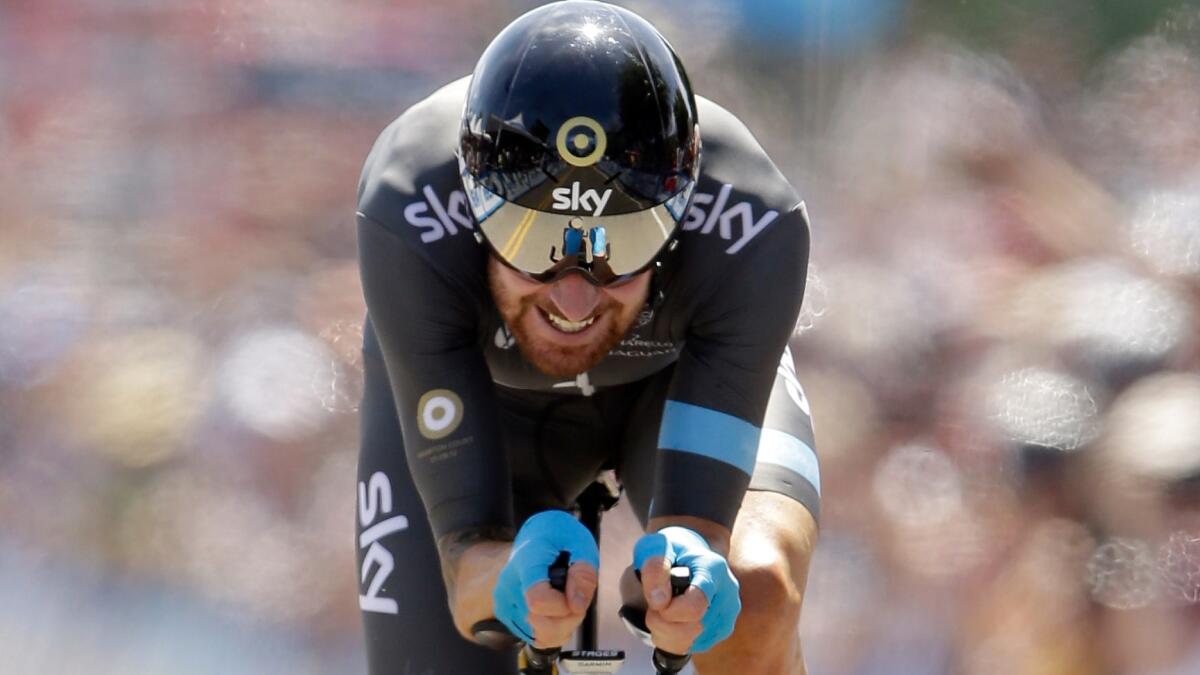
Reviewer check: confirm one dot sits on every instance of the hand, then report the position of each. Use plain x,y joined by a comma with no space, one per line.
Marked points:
705,614
523,598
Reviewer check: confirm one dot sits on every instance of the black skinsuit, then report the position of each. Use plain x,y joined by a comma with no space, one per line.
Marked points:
460,431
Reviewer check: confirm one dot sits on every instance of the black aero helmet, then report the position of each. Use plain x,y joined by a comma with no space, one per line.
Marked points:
579,147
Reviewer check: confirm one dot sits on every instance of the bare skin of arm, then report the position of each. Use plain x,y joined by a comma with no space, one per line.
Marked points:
472,562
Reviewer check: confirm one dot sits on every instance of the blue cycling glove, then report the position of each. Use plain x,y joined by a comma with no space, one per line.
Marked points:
710,573
538,544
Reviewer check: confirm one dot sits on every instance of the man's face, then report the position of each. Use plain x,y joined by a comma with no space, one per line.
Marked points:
566,327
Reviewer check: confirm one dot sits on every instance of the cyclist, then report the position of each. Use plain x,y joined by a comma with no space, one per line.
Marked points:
573,264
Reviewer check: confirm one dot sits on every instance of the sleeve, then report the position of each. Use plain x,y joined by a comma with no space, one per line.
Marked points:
712,422
426,329
787,460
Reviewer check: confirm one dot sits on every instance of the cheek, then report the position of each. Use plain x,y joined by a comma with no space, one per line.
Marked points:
520,306
630,296
510,289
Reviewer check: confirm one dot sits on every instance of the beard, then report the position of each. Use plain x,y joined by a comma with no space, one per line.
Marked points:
520,312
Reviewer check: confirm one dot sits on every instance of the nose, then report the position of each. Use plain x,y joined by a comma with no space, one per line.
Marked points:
574,298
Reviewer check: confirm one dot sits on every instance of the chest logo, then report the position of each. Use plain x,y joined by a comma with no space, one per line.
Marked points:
504,338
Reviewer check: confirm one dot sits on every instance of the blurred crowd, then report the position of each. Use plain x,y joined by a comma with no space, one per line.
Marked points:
1003,368
998,339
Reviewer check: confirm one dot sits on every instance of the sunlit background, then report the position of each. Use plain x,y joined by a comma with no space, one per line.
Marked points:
999,336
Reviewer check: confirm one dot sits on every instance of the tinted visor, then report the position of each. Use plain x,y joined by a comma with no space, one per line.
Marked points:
546,244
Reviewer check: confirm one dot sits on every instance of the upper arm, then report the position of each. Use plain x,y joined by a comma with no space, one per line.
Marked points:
743,323
719,392
425,325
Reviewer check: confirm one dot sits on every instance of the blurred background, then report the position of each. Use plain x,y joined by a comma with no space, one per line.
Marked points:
998,340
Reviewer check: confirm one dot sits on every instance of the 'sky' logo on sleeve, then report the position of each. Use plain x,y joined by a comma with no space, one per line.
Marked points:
445,219
375,523
725,217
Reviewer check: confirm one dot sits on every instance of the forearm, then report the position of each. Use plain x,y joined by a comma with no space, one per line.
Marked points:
773,543
717,535
471,562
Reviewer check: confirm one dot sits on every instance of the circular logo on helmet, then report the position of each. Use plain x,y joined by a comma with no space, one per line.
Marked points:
581,141
438,413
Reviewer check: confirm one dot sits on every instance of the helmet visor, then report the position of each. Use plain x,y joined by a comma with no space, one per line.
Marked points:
545,245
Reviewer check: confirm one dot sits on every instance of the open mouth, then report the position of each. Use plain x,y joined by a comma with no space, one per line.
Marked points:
566,325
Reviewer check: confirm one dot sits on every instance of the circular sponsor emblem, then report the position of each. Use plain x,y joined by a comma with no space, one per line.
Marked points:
581,141
439,413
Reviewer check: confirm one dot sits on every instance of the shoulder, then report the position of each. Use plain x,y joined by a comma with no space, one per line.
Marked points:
744,242
418,144
733,156
741,199
410,184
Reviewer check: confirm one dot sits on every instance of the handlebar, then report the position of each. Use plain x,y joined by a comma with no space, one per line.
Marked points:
665,662
494,634
543,660
534,661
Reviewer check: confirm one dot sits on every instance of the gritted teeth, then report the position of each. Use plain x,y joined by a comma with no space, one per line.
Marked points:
566,325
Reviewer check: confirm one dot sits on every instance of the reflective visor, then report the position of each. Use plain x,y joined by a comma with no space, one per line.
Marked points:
546,244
